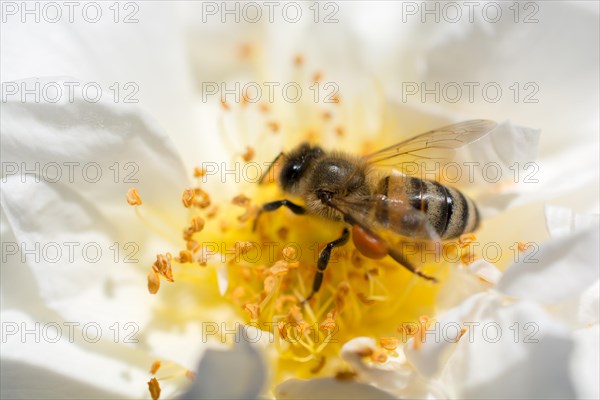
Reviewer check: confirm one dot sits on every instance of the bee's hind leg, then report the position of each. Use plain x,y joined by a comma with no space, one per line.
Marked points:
324,261
400,259
274,205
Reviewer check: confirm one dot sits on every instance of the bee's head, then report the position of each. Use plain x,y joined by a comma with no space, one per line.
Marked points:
295,165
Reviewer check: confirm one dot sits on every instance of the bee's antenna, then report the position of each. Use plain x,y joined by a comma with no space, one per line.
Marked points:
274,162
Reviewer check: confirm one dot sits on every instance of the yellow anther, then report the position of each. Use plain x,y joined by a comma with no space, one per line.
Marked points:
133,197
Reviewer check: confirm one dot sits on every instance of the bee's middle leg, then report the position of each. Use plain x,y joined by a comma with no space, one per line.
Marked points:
324,257
274,205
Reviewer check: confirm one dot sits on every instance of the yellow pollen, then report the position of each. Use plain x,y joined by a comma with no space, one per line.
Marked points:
298,60
468,258
187,198
155,366
379,356
249,154
153,282
264,107
329,324
198,224
273,126
190,375
522,246
466,239
289,253
253,310
133,197
162,266
462,333
154,388
199,172
246,50
389,343
185,256
202,199
225,105
345,375
339,131
241,200
419,337
317,76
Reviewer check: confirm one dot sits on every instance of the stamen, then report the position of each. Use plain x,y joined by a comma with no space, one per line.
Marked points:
133,197
389,343
468,258
185,256
154,388
190,375
274,126
253,310
379,356
155,367
153,282
199,172
249,154
319,366
345,375
162,265
204,198
187,197
329,324
298,60
466,239
419,337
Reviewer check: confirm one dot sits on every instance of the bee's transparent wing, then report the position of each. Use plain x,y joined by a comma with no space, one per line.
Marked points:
405,230
438,144
393,219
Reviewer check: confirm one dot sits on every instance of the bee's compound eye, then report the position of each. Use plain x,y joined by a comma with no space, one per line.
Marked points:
368,245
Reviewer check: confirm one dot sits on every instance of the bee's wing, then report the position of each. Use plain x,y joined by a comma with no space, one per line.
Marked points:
438,144
393,219
403,225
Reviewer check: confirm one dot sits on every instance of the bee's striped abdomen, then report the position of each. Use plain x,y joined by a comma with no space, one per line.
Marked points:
447,209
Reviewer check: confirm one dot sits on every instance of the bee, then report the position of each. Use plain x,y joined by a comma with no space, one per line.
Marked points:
379,207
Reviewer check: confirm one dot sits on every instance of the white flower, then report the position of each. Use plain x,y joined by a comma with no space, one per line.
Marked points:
172,128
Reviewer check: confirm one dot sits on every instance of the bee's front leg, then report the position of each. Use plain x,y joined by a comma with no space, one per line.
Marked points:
274,205
324,261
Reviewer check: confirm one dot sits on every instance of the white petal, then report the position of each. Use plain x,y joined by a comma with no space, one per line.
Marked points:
385,378
561,268
328,388
76,362
66,220
440,339
113,55
561,220
394,376
236,374
484,270
506,52
585,361
514,351
461,283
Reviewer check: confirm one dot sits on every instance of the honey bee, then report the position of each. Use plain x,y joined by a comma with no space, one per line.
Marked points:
379,207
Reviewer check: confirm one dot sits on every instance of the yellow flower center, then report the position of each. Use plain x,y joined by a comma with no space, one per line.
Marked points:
270,270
